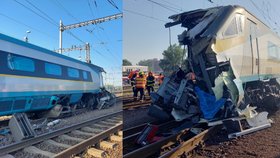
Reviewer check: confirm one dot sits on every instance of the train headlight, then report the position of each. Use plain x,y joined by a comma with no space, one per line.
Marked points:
213,47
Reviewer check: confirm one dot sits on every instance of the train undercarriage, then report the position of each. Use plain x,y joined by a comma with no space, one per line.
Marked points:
69,104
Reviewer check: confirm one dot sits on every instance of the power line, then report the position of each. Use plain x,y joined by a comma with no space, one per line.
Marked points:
72,16
273,9
164,6
51,22
69,14
61,6
21,23
174,5
35,13
104,31
33,5
114,4
70,33
140,14
91,11
261,11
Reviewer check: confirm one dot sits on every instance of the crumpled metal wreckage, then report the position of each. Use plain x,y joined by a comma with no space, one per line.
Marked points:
207,91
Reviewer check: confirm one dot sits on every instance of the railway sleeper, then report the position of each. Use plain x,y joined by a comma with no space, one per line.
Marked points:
78,132
105,145
102,126
91,130
115,138
112,121
107,123
54,143
120,133
96,153
66,137
37,151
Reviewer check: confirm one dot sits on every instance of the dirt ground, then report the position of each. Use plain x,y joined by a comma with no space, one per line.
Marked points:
261,144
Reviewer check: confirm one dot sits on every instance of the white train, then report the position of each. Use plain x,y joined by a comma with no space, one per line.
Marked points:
230,35
35,79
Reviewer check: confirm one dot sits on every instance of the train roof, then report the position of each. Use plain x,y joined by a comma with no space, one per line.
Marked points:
100,69
190,18
44,50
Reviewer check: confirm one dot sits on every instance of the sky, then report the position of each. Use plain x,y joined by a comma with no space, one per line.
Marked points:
41,18
145,36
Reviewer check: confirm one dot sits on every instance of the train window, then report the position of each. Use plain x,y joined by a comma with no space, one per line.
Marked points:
272,51
20,63
240,22
53,69
85,75
73,73
232,28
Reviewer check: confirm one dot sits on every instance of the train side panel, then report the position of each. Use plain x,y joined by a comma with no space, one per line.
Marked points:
33,78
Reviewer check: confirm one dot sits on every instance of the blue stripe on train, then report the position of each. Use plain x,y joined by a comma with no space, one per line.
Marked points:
38,93
14,102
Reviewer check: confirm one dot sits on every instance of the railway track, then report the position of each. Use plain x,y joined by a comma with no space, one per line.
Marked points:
171,144
92,136
130,104
136,105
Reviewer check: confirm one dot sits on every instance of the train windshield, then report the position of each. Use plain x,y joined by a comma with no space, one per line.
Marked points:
235,27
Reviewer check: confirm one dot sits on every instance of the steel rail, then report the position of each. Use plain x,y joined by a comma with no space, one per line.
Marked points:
184,147
78,148
152,148
130,134
25,143
139,105
190,144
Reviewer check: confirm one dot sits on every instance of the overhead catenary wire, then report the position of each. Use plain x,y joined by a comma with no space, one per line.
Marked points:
274,10
21,23
179,8
91,11
101,28
143,15
35,13
51,22
69,14
51,19
261,12
114,5
172,9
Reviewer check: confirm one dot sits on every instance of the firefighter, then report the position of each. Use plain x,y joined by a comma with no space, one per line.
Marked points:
160,79
132,76
150,83
140,83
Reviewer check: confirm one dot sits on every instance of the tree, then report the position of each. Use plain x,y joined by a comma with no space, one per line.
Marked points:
126,62
153,64
173,58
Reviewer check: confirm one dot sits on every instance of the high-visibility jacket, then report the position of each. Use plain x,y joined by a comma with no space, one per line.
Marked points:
140,82
151,81
131,74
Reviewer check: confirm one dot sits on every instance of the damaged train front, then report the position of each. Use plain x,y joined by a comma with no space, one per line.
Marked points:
206,89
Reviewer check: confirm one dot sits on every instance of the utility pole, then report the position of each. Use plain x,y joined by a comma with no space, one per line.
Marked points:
60,36
85,23
85,47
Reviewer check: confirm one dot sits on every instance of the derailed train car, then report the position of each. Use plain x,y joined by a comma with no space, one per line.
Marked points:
36,79
233,60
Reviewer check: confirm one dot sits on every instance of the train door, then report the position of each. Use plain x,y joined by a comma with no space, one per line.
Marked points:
254,47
